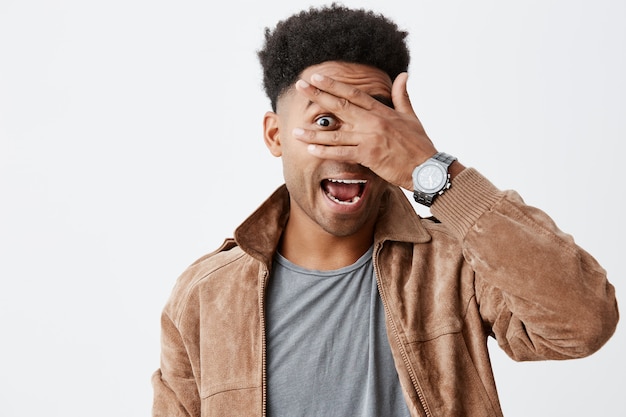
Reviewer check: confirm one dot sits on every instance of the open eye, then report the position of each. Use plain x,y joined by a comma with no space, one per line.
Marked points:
326,122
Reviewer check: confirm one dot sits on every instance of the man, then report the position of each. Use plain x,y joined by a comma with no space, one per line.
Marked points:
334,298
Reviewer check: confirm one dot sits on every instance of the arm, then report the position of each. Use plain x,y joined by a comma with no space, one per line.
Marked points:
542,295
175,388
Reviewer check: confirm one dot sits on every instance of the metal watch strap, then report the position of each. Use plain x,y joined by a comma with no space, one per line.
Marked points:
444,158
424,199
427,199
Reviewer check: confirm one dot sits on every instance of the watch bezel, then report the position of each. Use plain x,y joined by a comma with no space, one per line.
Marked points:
419,186
424,195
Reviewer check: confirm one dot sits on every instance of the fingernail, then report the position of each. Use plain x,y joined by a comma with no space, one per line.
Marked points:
302,84
298,132
317,77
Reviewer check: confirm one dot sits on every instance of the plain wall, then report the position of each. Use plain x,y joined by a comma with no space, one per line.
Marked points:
130,145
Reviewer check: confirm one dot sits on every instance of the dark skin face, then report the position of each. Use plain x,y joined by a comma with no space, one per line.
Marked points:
333,127
315,217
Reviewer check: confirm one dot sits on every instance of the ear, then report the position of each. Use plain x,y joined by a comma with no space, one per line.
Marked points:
271,133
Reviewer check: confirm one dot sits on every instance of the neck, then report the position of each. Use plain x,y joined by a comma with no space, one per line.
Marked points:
320,250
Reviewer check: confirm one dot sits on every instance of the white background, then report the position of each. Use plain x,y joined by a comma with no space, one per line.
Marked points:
130,145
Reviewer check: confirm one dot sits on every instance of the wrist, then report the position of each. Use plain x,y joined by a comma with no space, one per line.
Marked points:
466,201
455,169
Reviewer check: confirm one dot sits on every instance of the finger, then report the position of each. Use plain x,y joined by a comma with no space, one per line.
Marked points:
337,153
334,96
325,138
400,95
342,90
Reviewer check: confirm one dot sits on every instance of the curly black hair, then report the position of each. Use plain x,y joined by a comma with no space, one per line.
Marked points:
330,33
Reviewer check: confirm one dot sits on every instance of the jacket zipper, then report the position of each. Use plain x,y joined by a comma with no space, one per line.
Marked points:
394,330
263,341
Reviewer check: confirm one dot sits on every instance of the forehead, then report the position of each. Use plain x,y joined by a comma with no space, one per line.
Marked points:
371,80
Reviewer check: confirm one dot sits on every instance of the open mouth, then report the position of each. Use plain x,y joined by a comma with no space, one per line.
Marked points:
344,191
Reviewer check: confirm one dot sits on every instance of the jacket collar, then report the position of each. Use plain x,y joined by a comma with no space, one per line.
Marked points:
260,233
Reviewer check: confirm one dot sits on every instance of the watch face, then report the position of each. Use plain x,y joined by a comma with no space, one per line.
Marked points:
430,178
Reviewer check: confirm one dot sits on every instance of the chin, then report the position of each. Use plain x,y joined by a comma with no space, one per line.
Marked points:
343,228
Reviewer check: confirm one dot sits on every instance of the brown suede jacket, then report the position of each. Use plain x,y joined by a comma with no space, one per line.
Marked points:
493,266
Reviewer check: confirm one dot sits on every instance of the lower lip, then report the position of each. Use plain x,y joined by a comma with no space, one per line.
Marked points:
344,208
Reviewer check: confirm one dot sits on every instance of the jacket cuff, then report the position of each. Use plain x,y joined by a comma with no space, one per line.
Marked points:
469,196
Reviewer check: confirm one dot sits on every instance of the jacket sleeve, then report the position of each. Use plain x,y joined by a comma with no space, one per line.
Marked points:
175,387
541,295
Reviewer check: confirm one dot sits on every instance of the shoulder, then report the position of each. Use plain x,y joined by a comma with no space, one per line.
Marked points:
203,267
204,272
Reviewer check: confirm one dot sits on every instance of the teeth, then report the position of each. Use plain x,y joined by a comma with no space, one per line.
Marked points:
347,181
354,199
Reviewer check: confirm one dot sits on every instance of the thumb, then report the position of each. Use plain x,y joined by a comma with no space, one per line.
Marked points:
400,96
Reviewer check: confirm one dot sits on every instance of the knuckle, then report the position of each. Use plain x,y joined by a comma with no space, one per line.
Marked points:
343,103
354,93
351,96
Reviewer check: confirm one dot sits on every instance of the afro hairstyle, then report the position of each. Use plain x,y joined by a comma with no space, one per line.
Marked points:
330,33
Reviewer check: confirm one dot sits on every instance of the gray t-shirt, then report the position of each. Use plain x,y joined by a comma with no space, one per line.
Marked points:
328,353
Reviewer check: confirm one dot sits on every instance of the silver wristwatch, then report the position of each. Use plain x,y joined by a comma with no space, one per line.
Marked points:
431,178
